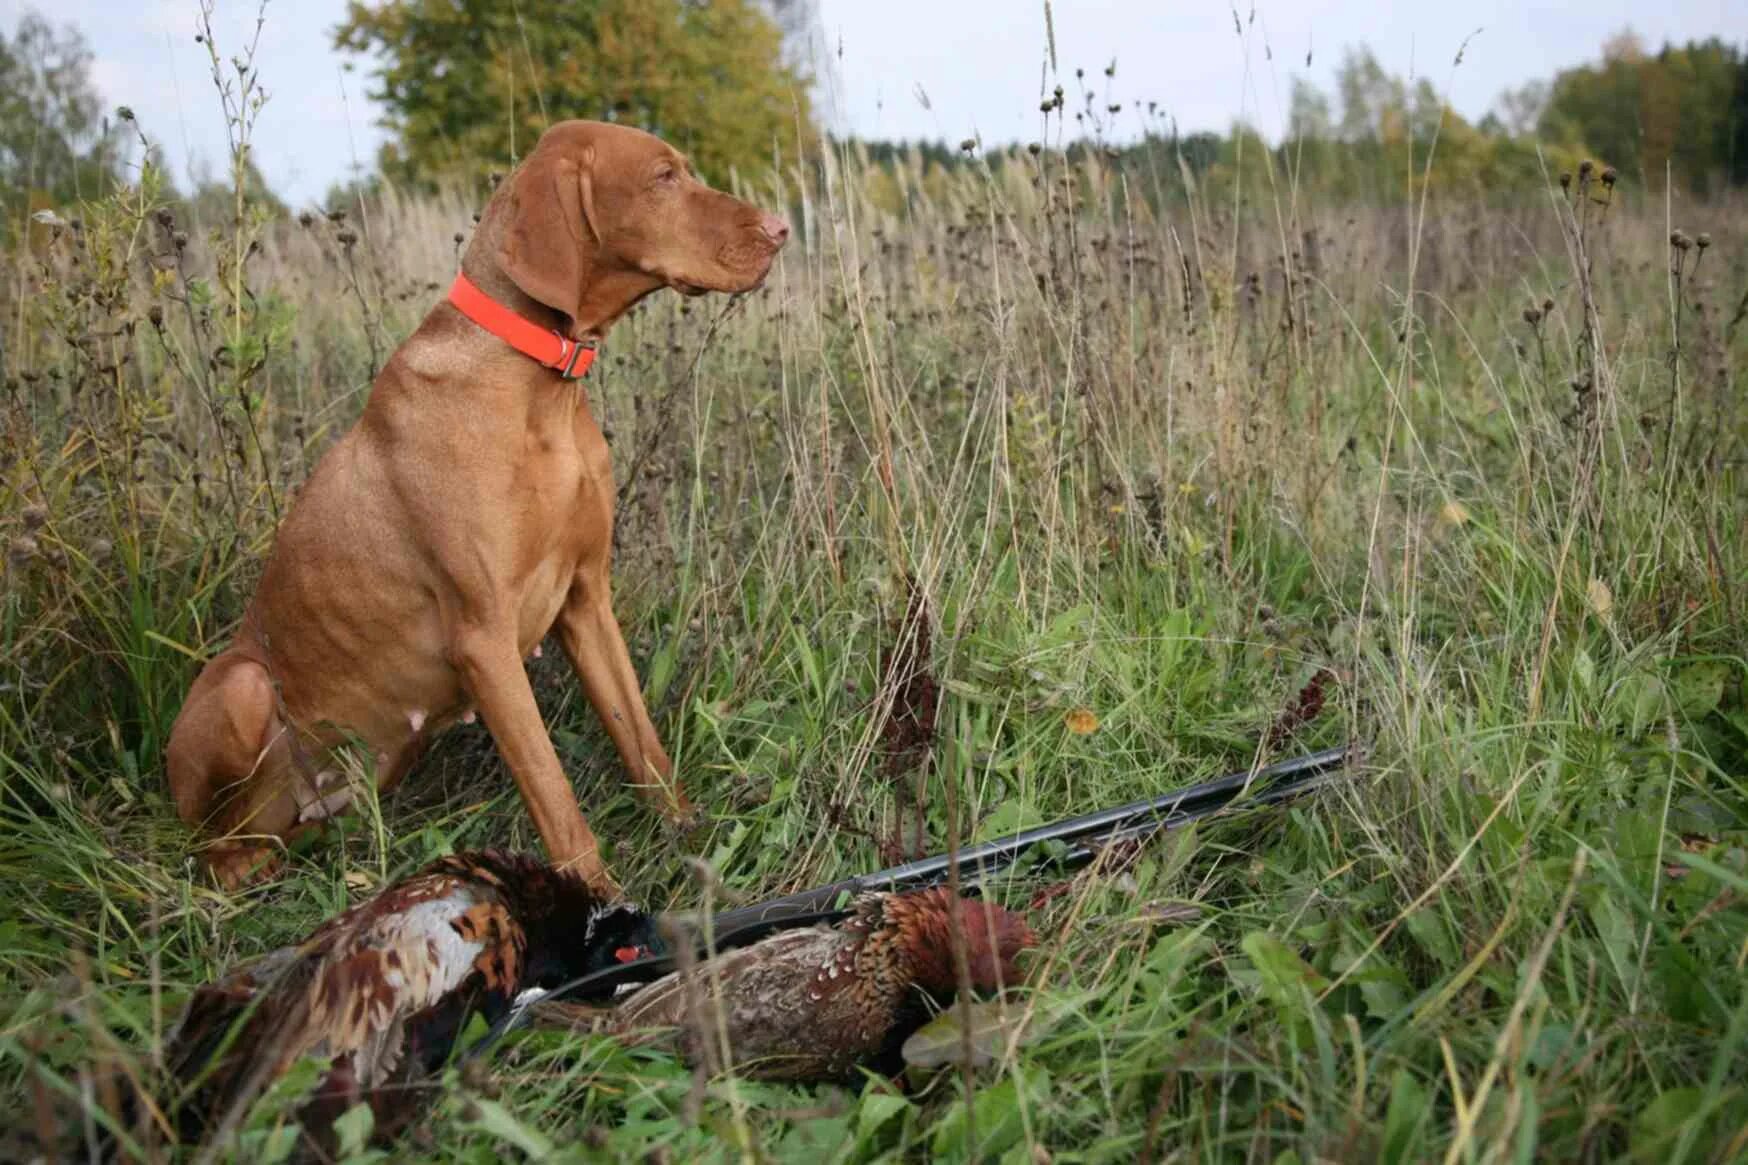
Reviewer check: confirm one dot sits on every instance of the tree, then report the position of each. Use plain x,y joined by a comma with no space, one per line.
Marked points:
56,147
470,84
1651,114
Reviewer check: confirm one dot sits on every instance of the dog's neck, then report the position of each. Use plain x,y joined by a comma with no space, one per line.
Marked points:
607,292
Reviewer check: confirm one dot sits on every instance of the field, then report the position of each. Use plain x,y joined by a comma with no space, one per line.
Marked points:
1151,457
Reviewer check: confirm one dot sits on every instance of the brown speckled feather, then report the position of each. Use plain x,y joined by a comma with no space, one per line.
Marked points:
382,985
816,1004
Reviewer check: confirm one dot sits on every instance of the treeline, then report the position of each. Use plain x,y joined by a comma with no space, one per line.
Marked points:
716,80
1677,115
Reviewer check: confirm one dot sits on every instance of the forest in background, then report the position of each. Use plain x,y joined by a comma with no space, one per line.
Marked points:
1675,115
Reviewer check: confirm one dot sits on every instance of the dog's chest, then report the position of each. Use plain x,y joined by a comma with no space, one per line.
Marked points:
566,511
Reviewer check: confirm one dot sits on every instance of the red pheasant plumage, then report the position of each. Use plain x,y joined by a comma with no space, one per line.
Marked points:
817,1003
379,994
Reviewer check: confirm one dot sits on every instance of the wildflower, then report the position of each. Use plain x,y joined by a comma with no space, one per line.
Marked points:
1081,722
34,516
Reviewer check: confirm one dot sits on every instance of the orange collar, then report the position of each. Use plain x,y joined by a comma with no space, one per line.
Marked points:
569,358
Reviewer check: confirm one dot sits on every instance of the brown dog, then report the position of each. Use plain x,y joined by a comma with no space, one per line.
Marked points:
466,514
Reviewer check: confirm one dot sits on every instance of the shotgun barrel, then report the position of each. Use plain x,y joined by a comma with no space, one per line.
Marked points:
1084,836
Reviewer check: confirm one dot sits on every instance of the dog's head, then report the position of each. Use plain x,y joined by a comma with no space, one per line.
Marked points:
600,215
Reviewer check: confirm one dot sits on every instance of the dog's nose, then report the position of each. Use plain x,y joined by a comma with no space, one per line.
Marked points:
775,228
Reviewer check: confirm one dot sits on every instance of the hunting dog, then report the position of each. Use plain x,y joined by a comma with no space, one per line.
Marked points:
468,512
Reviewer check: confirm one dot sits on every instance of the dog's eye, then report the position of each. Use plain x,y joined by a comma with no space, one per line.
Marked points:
668,175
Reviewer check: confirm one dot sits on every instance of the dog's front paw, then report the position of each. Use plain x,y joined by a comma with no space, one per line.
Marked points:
236,866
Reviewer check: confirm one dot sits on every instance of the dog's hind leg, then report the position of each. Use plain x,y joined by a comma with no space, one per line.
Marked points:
230,768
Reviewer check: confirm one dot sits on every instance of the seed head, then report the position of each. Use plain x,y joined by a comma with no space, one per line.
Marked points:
1532,316
124,113
1679,240
1565,181
1547,306
34,516
155,314
1702,240
180,239
21,550
164,217
1585,169
1609,176
306,219
346,238
1034,149
968,145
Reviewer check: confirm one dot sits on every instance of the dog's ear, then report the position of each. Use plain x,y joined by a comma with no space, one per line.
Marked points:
550,234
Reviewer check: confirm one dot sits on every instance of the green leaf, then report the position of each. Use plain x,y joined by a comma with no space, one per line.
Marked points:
997,1120
1404,1118
353,1128
1007,818
1428,927
496,1121
1584,669
1524,1151
1698,688
1661,1122
1636,703
943,1040
1285,976
878,1107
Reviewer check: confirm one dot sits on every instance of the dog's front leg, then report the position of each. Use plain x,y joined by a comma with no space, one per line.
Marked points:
592,641
493,674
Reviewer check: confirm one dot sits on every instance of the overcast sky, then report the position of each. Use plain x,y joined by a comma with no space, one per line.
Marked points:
977,61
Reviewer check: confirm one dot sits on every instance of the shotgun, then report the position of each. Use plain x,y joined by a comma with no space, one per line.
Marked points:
1075,842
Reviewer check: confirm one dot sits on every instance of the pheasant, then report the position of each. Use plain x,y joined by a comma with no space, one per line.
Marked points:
380,993
817,1003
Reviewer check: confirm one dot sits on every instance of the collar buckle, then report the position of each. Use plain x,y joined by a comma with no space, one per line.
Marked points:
570,354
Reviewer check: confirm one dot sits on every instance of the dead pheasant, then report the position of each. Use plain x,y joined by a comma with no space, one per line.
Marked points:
817,1003
380,993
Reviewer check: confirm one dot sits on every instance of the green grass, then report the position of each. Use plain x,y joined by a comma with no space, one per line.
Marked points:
1129,480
